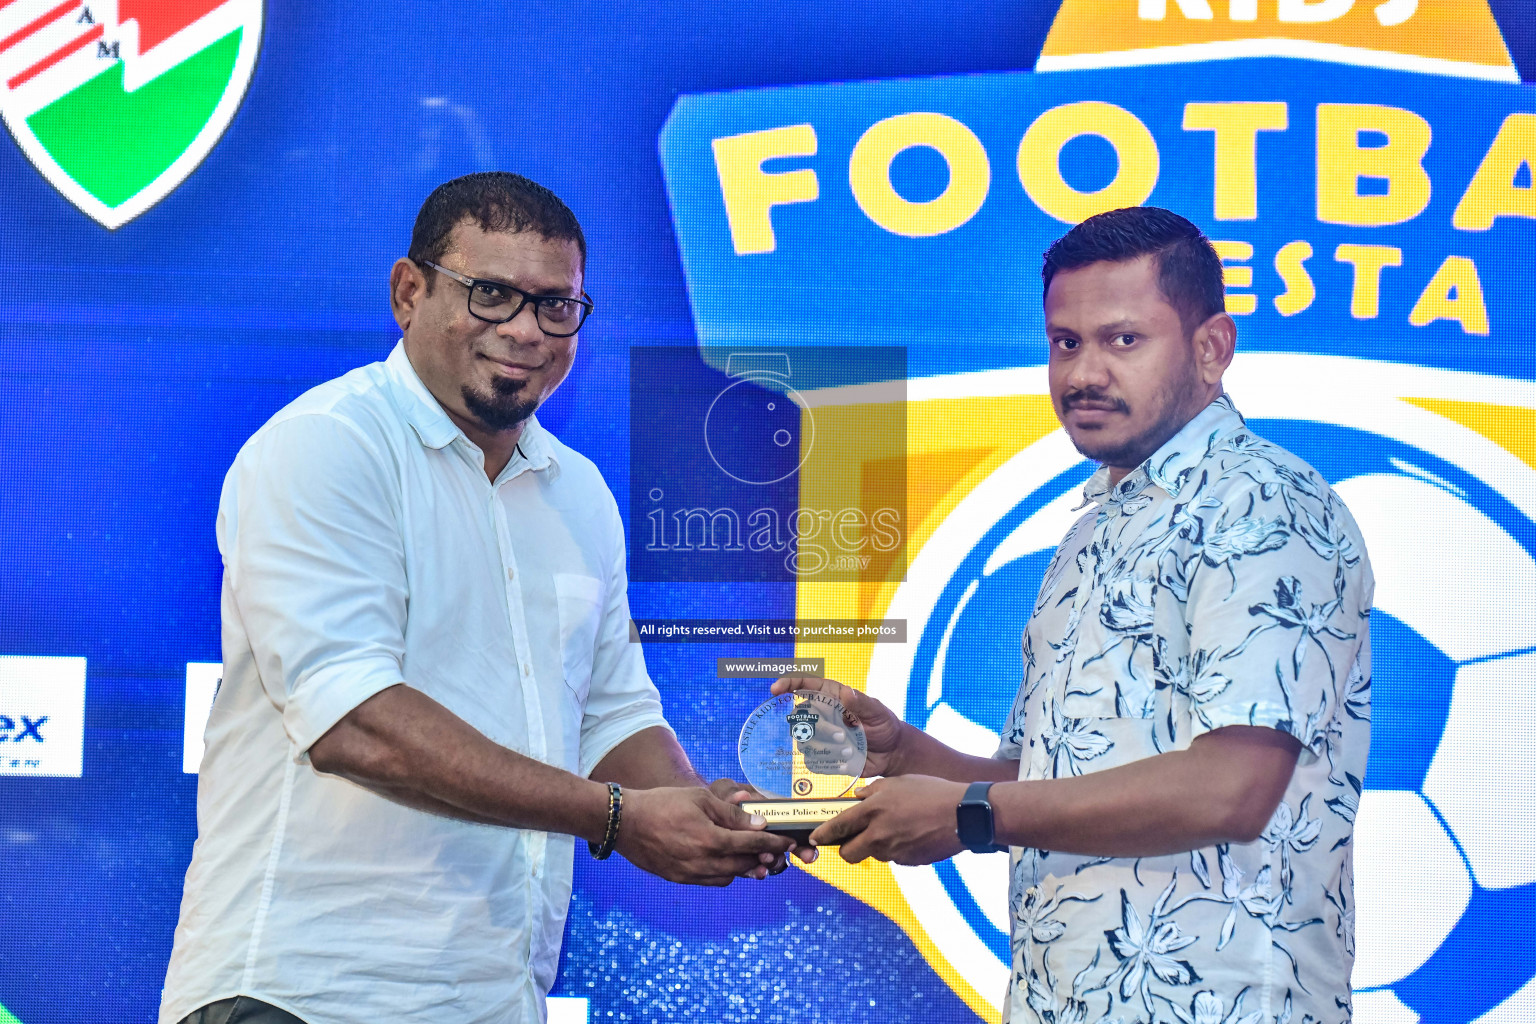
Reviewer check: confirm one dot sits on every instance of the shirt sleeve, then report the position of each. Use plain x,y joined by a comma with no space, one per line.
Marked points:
310,534
1277,611
622,700
1010,745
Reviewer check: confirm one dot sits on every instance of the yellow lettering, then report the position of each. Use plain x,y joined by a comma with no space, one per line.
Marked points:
1365,300
750,194
1492,192
869,174
1237,277
1342,162
1290,265
1237,126
1040,160
1454,293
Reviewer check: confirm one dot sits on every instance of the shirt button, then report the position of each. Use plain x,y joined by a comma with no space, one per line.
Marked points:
526,670
511,573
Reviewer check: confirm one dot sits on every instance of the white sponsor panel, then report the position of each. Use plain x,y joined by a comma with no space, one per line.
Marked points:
42,716
567,1010
203,678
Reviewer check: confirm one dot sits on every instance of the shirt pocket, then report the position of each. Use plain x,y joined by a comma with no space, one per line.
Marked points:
1124,632
1114,678
579,600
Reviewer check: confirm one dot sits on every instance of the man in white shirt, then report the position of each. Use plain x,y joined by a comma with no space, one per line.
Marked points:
429,689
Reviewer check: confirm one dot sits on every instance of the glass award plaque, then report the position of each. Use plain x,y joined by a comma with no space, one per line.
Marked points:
801,752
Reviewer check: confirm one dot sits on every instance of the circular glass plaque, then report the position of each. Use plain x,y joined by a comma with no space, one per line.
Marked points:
799,745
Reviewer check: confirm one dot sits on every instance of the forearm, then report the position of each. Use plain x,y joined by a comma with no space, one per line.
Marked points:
419,801
649,759
404,745
1223,789
921,754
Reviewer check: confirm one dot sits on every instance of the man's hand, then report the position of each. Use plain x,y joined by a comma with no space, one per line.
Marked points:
733,792
883,731
690,834
909,820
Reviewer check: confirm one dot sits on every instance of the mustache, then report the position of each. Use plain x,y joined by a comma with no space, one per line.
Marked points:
1094,398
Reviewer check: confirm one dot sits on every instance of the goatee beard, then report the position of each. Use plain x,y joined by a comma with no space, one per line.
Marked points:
1134,451
1124,456
503,409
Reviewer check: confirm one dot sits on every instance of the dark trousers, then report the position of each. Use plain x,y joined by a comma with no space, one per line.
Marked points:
240,1010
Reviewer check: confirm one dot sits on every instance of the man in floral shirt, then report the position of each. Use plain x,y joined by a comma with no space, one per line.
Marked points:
1179,775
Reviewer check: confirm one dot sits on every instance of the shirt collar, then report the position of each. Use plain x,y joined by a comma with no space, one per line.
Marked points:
1171,466
536,448
436,430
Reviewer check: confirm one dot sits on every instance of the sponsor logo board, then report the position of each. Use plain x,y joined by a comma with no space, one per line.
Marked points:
42,716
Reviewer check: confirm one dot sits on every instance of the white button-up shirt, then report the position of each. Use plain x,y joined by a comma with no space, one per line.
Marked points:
1222,582
364,546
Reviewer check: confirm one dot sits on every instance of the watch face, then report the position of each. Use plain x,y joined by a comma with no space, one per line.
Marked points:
973,824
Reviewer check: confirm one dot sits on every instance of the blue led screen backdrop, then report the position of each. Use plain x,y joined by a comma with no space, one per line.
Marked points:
199,205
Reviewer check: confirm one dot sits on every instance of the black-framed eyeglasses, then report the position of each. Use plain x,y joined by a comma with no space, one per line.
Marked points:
559,316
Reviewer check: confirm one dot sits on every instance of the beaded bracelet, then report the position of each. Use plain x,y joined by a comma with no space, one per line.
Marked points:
615,815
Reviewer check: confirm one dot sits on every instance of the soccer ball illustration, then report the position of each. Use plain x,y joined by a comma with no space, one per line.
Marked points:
1445,846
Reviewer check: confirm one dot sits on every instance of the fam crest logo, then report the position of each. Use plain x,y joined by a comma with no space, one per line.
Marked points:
116,102
1445,492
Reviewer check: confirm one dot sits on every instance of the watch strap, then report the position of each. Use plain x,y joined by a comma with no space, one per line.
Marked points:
973,819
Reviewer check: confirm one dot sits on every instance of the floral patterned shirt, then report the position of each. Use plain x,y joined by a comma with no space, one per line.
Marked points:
1222,582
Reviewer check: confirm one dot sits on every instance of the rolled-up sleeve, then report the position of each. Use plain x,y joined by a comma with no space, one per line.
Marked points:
314,555
623,700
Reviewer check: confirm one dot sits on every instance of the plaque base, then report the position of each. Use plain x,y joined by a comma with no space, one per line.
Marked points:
797,819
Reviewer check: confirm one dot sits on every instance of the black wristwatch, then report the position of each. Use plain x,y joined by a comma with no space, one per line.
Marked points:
973,820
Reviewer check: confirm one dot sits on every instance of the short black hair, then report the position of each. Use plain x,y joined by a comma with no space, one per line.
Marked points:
497,201
1188,269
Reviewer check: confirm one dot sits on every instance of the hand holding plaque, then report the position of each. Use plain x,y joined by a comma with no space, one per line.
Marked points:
803,753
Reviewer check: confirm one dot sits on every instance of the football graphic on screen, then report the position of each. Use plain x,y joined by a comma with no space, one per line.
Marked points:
1444,862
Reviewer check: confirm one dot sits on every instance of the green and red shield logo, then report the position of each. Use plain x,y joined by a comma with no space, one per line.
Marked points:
116,102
